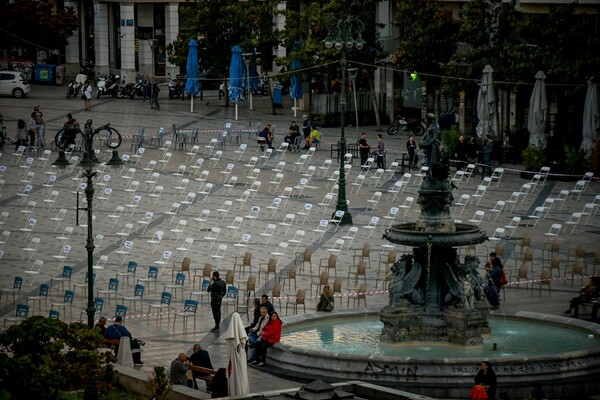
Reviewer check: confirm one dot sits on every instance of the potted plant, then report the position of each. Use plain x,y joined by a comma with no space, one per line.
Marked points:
575,163
533,159
160,384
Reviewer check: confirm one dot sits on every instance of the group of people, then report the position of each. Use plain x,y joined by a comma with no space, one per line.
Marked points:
264,331
310,135
30,134
587,294
463,153
365,151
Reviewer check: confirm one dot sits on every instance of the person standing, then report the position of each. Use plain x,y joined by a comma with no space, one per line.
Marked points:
217,290
460,152
364,149
87,96
2,133
38,125
380,151
487,378
494,268
179,369
306,125
154,101
488,149
21,136
411,148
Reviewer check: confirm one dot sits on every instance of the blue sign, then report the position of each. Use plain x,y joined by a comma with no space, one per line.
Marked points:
129,22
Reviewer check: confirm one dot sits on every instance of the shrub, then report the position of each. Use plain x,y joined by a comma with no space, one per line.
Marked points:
533,158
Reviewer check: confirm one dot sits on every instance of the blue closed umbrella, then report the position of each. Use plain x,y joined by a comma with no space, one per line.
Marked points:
296,84
192,86
236,77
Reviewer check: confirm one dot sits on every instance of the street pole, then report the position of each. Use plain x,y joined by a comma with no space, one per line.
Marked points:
353,72
343,28
247,62
152,43
89,196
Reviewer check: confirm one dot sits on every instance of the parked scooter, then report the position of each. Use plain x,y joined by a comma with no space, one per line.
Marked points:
109,86
137,88
176,88
76,85
87,69
263,86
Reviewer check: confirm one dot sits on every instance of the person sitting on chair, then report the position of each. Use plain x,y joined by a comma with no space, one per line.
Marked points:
264,137
116,331
314,137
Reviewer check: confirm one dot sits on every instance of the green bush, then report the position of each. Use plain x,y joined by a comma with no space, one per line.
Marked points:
574,161
533,158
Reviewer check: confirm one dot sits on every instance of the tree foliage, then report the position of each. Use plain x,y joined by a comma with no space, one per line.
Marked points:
40,357
218,25
30,24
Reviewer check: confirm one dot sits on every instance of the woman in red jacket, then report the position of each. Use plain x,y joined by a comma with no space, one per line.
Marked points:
271,334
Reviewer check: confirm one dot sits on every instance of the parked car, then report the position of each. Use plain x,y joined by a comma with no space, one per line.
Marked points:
210,80
14,84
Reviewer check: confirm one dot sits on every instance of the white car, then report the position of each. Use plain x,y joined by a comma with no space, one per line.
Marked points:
14,84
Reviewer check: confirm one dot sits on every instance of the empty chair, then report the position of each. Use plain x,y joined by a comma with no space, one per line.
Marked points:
130,271
66,303
360,294
15,290
267,268
329,263
299,299
42,295
512,226
21,313
370,228
361,270
189,311
303,258
164,304
477,217
111,290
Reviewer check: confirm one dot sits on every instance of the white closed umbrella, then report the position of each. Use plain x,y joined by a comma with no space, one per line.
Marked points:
237,338
591,118
538,112
486,103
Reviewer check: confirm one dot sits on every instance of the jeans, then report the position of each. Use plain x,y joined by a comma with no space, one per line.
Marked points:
487,158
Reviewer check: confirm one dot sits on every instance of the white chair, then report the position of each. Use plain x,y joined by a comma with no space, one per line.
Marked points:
337,219
268,233
372,203
477,217
212,237
370,228
219,255
512,226
124,250
321,229
350,235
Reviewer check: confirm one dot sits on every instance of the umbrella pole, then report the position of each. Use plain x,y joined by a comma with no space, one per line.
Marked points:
295,107
192,104
236,111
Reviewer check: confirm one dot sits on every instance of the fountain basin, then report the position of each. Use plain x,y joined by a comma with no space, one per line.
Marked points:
564,373
409,235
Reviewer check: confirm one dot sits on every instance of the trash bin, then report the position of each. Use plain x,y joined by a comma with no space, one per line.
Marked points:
45,74
277,94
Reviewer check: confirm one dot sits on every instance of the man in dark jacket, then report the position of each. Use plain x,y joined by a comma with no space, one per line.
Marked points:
217,290
116,330
200,358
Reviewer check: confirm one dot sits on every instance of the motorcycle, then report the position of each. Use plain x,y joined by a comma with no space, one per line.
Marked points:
139,88
176,88
406,124
76,85
109,86
263,86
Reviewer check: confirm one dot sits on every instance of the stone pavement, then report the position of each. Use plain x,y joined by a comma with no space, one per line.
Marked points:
166,337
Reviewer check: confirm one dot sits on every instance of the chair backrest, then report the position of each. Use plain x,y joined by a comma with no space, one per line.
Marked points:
362,289
247,258
67,271
22,311
113,284
69,295
232,292
276,292
18,283
307,254
251,283
205,284
180,279
190,306
121,311
99,304
324,278
54,314
337,285
138,290
153,272
392,256
331,263
300,296
229,277
272,266
185,264
44,289
165,298
132,266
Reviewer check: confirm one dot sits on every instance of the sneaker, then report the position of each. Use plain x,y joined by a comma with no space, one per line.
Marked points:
215,329
251,360
260,364
139,363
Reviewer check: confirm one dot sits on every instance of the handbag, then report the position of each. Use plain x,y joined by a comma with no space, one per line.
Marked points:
83,97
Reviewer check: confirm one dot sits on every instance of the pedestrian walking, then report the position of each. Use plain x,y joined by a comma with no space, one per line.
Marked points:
380,152
86,96
154,101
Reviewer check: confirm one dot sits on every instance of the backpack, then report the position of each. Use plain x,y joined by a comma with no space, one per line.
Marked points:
503,280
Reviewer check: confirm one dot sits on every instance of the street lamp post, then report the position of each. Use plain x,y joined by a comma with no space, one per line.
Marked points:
247,62
353,72
344,28
152,43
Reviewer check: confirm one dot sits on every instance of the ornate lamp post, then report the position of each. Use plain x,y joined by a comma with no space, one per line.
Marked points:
152,43
247,59
344,29
65,138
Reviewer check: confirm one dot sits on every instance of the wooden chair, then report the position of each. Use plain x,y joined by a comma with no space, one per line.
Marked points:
303,258
299,300
387,261
361,270
276,293
545,280
268,268
206,274
291,276
329,263
244,262
362,254
361,294
319,283
577,269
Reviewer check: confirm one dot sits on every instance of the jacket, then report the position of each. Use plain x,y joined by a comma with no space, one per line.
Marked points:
217,289
272,332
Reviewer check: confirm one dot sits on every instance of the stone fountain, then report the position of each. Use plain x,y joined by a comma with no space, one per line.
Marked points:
433,296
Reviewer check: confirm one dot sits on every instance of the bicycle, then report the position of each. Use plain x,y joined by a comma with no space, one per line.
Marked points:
66,137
